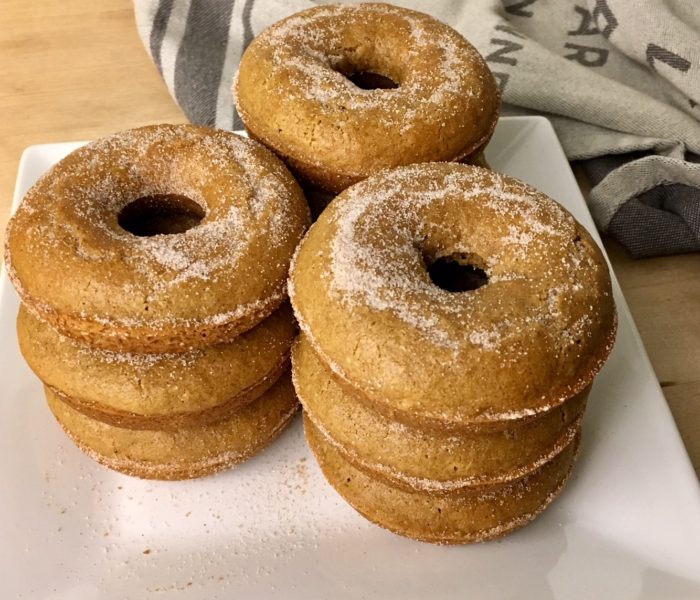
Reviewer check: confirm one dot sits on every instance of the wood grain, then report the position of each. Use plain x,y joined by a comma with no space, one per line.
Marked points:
72,70
76,69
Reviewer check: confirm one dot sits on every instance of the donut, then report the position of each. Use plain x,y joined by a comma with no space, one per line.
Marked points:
430,461
313,88
158,239
474,515
448,296
159,391
188,452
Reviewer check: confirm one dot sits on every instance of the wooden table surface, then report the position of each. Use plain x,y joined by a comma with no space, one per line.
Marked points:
76,69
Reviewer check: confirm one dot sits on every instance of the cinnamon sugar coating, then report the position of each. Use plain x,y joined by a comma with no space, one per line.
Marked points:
294,93
74,265
532,337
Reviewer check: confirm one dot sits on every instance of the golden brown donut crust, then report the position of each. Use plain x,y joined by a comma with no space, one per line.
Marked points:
535,335
292,93
186,453
438,462
469,516
156,391
77,268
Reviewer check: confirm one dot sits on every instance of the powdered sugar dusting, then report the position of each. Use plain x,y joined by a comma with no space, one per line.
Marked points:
488,340
248,202
239,312
313,50
139,362
387,273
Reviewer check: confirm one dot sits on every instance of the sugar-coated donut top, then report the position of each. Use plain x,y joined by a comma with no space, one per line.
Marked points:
67,253
310,45
534,335
292,93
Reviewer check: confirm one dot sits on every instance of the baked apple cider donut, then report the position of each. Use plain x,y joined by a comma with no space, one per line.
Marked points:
185,453
449,296
466,516
159,391
340,92
158,239
430,461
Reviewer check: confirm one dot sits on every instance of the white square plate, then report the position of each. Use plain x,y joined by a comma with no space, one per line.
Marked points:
627,525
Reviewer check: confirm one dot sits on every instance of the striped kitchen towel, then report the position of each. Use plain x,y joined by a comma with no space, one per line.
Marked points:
620,81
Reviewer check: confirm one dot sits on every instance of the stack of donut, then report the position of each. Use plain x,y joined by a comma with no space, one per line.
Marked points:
151,266
453,320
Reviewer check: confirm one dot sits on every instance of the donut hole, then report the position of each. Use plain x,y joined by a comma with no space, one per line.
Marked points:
456,272
163,214
363,75
369,80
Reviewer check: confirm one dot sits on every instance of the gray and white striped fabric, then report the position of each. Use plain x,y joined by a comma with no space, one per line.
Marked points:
620,81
